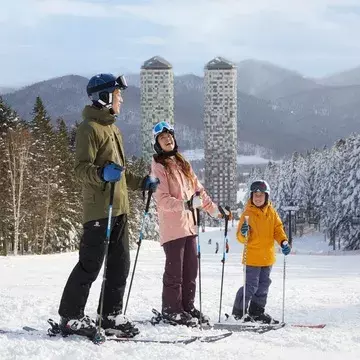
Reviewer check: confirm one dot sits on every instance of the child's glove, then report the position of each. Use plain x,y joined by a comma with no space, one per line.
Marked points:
285,247
244,228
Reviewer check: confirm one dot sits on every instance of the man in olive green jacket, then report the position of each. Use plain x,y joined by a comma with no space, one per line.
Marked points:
100,159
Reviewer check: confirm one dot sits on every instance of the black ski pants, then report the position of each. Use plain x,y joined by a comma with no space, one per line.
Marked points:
91,256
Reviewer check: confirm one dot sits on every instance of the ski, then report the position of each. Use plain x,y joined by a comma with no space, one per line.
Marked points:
32,331
201,338
26,330
258,328
314,326
261,328
232,327
154,341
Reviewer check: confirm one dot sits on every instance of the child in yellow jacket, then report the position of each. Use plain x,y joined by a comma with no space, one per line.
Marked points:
258,234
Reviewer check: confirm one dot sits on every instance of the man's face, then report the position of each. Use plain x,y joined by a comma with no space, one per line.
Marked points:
117,101
258,198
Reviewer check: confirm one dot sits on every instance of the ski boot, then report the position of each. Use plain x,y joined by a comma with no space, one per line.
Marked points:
179,318
195,313
119,325
83,326
259,315
239,316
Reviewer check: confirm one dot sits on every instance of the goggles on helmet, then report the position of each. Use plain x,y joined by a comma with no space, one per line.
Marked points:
258,186
161,127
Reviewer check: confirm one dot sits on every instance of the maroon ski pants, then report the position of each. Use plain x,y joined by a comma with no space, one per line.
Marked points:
179,280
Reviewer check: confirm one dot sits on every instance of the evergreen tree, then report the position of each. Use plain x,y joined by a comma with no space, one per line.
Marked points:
66,204
137,207
14,154
44,175
349,193
327,183
300,181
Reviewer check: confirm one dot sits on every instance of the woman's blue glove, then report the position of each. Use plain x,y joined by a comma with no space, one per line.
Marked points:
150,183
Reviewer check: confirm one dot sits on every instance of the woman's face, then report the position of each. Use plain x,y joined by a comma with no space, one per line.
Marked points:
258,198
166,141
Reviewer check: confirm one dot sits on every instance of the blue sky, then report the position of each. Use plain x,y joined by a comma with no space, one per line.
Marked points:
47,38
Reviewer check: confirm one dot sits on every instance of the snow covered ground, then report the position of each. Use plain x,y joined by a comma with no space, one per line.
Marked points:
319,289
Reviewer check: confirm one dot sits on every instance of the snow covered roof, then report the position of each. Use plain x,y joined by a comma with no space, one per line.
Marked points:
219,63
157,62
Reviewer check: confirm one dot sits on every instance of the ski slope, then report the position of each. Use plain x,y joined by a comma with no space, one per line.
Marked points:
319,289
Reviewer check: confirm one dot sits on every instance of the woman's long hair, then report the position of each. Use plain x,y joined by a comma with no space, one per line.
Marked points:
180,160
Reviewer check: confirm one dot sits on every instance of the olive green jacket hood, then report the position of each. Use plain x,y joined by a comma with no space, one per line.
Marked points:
98,140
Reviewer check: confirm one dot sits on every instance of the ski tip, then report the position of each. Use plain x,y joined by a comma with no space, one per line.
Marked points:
28,328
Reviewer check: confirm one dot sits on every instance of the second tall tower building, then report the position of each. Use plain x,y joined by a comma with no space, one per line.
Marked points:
220,126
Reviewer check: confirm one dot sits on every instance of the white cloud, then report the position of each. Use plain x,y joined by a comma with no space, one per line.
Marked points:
176,12
147,40
74,8
195,30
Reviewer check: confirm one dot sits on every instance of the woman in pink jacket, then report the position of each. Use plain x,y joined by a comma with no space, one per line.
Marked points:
177,200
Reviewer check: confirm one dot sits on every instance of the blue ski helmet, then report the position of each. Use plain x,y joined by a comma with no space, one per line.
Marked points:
100,88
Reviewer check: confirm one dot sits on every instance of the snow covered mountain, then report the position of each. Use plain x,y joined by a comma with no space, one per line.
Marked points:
344,78
300,115
267,81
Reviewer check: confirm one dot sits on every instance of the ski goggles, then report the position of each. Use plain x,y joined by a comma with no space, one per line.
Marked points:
258,186
121,82
161,127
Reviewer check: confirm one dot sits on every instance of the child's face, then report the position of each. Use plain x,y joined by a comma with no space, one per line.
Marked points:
166,141
259,198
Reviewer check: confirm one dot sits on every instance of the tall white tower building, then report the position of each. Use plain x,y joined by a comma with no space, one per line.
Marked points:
157,99
220,127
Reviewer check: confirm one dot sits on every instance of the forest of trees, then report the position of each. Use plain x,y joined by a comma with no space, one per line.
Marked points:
40,198
325,184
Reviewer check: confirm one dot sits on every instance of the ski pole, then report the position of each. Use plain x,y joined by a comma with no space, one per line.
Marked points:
245,255
283,302
224,252
146,212
199,257
98,336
